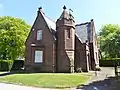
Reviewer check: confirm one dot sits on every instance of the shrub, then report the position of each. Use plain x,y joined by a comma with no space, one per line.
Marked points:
110,62
6,65
111,59
18,65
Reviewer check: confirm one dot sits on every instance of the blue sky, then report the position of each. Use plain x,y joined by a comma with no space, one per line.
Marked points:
102,11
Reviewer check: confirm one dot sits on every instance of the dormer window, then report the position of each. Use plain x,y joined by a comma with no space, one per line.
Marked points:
39,34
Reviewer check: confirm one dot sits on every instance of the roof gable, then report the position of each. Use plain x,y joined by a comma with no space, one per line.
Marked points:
78,37
51,24
83,31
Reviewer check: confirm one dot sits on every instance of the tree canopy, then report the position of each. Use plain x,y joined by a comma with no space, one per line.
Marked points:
13,34
109,37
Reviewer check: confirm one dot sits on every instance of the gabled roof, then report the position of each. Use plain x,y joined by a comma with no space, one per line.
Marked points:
83,31
64,14
78,37
49,22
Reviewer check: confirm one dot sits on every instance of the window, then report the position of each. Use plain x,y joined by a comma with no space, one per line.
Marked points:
38,56
68,33
39,34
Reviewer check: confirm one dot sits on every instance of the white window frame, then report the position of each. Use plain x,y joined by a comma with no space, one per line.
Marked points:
39,34
38,56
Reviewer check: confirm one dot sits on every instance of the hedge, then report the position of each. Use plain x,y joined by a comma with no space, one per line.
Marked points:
110,62
111,59
6,65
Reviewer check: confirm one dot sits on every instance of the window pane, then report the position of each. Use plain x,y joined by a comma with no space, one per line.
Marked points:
38,56
39,34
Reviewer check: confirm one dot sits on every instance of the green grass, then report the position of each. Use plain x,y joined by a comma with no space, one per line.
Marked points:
51,80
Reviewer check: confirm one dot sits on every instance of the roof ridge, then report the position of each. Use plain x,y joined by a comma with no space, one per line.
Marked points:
50,22
82,24
78,37
48,17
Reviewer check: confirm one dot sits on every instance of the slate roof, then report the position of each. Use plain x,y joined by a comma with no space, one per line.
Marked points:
51,24
83,31
78,37
65,14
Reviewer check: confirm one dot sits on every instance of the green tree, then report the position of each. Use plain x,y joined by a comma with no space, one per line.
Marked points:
13,34
109,37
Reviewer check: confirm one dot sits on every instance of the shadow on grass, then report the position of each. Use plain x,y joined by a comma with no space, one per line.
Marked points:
110,83
6,73
16,72
21,72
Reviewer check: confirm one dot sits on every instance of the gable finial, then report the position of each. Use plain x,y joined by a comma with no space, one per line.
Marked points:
92,20
39,8
64,7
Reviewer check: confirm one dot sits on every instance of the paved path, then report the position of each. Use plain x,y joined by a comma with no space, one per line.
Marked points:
4,86
103,74
102,80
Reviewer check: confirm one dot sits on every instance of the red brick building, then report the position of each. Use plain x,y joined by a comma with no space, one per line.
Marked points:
61,46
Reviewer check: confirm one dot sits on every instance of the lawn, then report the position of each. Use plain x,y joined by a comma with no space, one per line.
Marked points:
51,80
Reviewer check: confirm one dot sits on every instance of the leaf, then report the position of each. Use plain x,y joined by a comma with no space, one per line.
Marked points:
110,40
13,34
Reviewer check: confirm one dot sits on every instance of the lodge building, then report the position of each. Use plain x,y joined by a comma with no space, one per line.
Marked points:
61,46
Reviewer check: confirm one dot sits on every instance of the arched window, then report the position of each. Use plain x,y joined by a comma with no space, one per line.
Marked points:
39,34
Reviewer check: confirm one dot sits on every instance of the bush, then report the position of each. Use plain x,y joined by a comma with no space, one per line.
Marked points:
6,65
111,59
18,65
110,62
